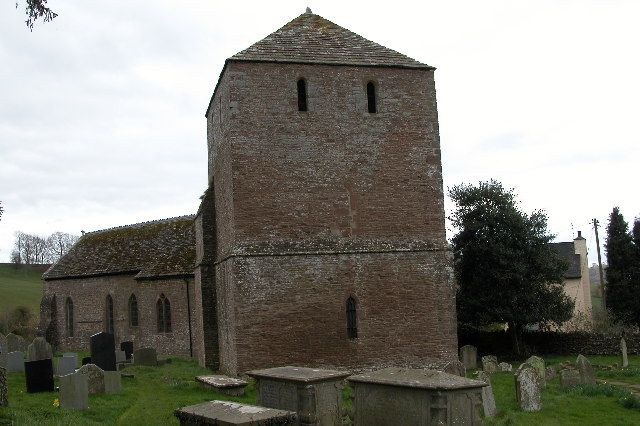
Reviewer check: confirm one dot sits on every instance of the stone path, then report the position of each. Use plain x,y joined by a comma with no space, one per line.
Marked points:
633,388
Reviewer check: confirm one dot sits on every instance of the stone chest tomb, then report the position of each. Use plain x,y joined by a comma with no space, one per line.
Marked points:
395,396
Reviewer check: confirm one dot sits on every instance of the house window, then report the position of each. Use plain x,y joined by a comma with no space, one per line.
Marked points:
302,95
109,315
68,311
133,311
163,309
352,325
371,97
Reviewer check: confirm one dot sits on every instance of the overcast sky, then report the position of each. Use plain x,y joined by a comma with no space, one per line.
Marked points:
102,110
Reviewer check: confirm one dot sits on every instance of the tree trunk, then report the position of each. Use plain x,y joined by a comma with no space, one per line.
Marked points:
516,340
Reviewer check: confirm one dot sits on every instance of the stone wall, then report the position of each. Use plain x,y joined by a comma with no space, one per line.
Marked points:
551,343
89,308
312,207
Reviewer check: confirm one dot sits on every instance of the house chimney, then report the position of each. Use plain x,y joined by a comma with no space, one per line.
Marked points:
579,234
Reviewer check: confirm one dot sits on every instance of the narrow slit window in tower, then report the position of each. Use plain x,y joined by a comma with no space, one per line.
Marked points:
302,95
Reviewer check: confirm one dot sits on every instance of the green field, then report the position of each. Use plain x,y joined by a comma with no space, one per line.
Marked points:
21,286
152,395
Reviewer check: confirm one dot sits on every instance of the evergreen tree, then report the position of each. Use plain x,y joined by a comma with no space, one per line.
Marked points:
505,268
622,296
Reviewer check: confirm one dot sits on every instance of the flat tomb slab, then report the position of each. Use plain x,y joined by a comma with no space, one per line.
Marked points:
298,374
416,378
233,413
225,384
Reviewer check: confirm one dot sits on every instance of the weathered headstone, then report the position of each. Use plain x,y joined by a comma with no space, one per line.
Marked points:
528,388
4,393
86,360
489,364
95,377
538,363
103,351
16,343
315,394
15,361
3,344
121,357
233,413
624,360
74,391
569,377
223,384
550,373
39,375
145,356
127,347
455,367
67,364
469,357
112,382
505,366
39,349
488,400
587,376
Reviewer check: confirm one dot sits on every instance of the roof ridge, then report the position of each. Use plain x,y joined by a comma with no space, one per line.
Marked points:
139,224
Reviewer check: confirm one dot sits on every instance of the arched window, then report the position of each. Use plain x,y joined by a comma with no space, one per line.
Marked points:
68,316
302,95
109,315
163,308
133,311
371,97
352,324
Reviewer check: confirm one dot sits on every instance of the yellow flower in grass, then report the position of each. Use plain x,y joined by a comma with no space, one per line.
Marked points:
56,402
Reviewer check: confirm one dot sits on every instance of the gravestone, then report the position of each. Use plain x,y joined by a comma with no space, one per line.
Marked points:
489,364
455,367
127,347
624,360
39,375
223,384
539,365
550,373
74,391
505,366
67,364
95,378
145,356
488,400
121,357
15,361
86,360
4,393
232,413
315,394
39,349
569,377
396,396
587,376
16,343
112,382
469,357
528,388
3,344
103,351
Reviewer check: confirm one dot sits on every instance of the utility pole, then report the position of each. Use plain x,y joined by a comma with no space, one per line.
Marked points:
603,292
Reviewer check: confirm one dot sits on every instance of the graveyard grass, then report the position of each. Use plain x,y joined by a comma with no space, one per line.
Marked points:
155,392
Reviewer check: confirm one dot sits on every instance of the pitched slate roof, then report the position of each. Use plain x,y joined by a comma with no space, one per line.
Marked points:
154,249
567,252
310,38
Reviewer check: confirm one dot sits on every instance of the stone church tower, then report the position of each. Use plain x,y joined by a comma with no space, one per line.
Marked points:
321,237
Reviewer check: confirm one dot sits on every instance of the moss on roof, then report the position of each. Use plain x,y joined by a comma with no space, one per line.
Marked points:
152,249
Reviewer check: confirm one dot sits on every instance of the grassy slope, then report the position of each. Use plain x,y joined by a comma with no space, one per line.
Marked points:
21,286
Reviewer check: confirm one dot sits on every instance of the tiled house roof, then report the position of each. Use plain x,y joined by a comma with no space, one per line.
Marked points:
159,248
567,252
310,38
